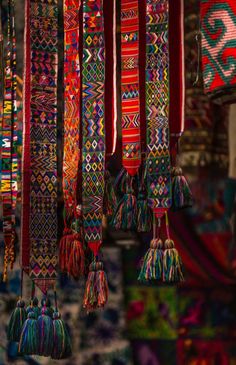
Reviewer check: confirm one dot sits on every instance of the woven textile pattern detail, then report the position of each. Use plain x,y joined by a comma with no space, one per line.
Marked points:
157,106
43,137
93,153
130,86
218,19
72,106
9,164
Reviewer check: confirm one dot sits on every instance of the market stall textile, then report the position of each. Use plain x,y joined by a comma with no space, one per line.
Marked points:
39,196
218,18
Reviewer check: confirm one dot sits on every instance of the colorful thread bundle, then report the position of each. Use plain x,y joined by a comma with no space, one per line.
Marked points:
218,18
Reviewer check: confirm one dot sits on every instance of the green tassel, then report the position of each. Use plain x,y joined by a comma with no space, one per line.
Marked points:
172,264
110,200
29,338
144,214
181,193
152,266
45,333
17,320
33,307
61,339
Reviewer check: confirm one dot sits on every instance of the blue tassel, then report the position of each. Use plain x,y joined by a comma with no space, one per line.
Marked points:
29,344
45,328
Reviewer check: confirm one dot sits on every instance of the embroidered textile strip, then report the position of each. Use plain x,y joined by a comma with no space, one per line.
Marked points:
9,141
41,119
130,103
71,107
93,151
218,28
157,106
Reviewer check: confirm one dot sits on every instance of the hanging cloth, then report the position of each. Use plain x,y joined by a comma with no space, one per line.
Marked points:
39,207
93,150
130,103
218,28
9,165
157,106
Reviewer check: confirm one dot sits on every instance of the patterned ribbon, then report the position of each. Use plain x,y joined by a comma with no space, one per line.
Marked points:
40,142
9,145
157,106
71,107
93,151
130,102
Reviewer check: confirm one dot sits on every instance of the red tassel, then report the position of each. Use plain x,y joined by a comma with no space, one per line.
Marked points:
76,259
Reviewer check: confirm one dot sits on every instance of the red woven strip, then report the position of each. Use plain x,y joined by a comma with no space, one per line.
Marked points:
130,99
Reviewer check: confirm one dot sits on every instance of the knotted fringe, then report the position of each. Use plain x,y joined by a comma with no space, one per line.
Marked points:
45,333
181,193
29,339
125,216
152,266
71,254
172,263
110,199
96,290
17,320
61,339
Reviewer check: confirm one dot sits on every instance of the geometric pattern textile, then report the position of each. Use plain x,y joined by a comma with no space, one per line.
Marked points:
93,150
71,106
218,27
9,164
130,103
157,106
40,141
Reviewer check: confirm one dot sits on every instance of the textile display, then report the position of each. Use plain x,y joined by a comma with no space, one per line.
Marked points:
9,163
39,200
130,103
218,18
93,150
157,107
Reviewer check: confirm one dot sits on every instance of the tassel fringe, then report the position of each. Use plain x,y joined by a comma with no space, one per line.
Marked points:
181,193
172,264
17,320
152,267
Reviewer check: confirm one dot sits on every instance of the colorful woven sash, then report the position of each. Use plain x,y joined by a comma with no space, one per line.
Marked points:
130,103
93,151
218,26
157,107
72,107
9,140
39,231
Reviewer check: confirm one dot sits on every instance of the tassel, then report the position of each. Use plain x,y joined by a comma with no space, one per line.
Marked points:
33,307
110,200
181,193
96,290
46,305
61,339
45,328
29,338
152,262
76,259
17,320
120,182
172,263
65,249
125,216
144,214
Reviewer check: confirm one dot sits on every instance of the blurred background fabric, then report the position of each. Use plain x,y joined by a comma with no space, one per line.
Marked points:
194,323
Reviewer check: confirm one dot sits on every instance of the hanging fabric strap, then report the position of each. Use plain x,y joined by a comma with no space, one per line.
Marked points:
40,141
93,150
71,108
130,96
157,106
9,142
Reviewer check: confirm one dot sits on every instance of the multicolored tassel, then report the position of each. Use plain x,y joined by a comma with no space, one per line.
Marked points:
152,266
17,320
96,290
144,212
181,193
110,199
45,333
172,263
29,339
